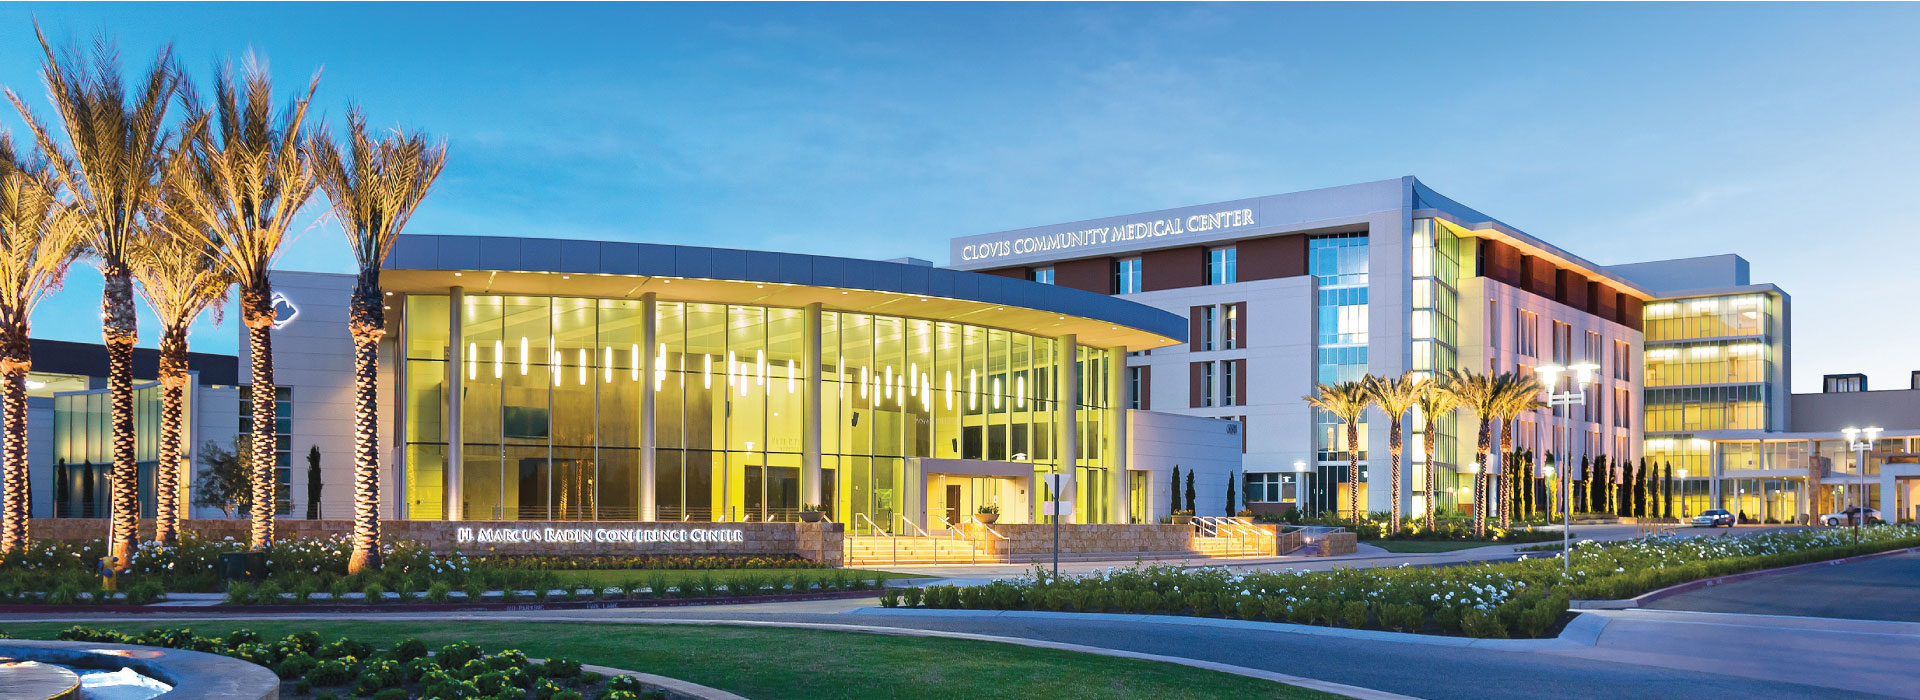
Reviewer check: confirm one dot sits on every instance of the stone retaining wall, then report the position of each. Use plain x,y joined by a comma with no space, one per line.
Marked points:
821,542
1336,543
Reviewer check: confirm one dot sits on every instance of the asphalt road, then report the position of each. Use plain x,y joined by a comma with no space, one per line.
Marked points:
1887,588
1418,670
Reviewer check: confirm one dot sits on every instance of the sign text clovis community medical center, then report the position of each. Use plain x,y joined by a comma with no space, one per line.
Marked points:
1119,235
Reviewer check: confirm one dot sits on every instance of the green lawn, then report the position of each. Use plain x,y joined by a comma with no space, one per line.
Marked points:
603,578
1427,546
772,664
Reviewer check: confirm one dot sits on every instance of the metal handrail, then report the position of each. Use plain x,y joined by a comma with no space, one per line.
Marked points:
877,532
958,536
989,528
911,524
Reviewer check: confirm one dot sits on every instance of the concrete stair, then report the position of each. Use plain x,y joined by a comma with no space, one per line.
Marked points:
868,550
1230,546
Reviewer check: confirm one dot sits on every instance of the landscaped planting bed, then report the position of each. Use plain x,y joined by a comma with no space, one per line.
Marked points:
345,668
1527,598
315,570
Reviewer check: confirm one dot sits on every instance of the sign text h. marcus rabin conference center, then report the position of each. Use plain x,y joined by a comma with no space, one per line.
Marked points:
1109,235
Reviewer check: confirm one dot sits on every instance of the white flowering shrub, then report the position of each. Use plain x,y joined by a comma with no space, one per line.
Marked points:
1524,598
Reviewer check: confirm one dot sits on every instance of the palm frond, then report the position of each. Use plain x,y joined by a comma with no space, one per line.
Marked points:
376,186
244,176
175,264
116,141
1397,395
1346,400
40,235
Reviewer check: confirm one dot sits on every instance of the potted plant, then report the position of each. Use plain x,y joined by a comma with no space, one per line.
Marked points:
812,513
1245,515
987,514
1183,517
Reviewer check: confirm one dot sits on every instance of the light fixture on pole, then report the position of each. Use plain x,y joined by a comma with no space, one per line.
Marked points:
1860,447
1550,377
1682,473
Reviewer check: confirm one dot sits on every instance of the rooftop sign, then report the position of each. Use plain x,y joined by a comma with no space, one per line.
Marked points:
1123,235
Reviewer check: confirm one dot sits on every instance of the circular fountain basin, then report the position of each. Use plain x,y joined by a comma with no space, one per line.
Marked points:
32,680
127,672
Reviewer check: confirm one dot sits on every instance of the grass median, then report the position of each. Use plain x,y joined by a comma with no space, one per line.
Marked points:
777,664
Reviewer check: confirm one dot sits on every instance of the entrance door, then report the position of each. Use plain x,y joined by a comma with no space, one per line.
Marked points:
953,504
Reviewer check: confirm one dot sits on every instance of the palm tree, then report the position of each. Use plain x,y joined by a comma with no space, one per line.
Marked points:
1435,401
1518,394
374,190
119,142
1481,394
180,280
1395,397
39,237
1347,401
243,180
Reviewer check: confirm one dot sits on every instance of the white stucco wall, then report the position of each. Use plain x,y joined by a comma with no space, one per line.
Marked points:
314,356
1207,447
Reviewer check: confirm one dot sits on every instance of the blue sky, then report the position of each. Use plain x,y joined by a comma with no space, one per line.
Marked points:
1621,132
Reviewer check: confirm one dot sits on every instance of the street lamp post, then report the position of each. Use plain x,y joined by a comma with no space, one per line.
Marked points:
1682,485
1300,486
1860,448
1550,376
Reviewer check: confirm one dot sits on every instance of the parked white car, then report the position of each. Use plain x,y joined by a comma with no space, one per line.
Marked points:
1848,516
1713,518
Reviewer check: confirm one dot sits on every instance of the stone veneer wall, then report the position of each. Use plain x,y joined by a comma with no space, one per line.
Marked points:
1025,539
821,542
1337,543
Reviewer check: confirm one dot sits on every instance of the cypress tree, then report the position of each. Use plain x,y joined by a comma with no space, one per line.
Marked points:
1190,500
1582,486
1640,489
1669,493
1230,495
1173,492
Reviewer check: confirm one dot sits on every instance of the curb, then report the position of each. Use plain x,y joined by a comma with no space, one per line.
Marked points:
1581,632
675,687
212,611
1697,584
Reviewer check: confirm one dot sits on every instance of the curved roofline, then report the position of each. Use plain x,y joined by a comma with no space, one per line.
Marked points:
428,263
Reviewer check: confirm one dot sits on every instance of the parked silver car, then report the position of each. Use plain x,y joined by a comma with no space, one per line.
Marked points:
1713,518
1849,516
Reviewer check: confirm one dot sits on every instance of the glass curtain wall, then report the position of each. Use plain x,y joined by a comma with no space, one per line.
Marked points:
83,450
1339,261
550,409
1436,298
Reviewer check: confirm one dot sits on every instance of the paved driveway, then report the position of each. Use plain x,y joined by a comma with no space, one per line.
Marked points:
1886,588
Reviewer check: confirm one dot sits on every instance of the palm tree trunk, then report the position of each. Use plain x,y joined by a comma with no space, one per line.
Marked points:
1480,450
1433,499
368,325
121,331
15,518
1353,469
256,306
166,477
1506,473
1393,448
